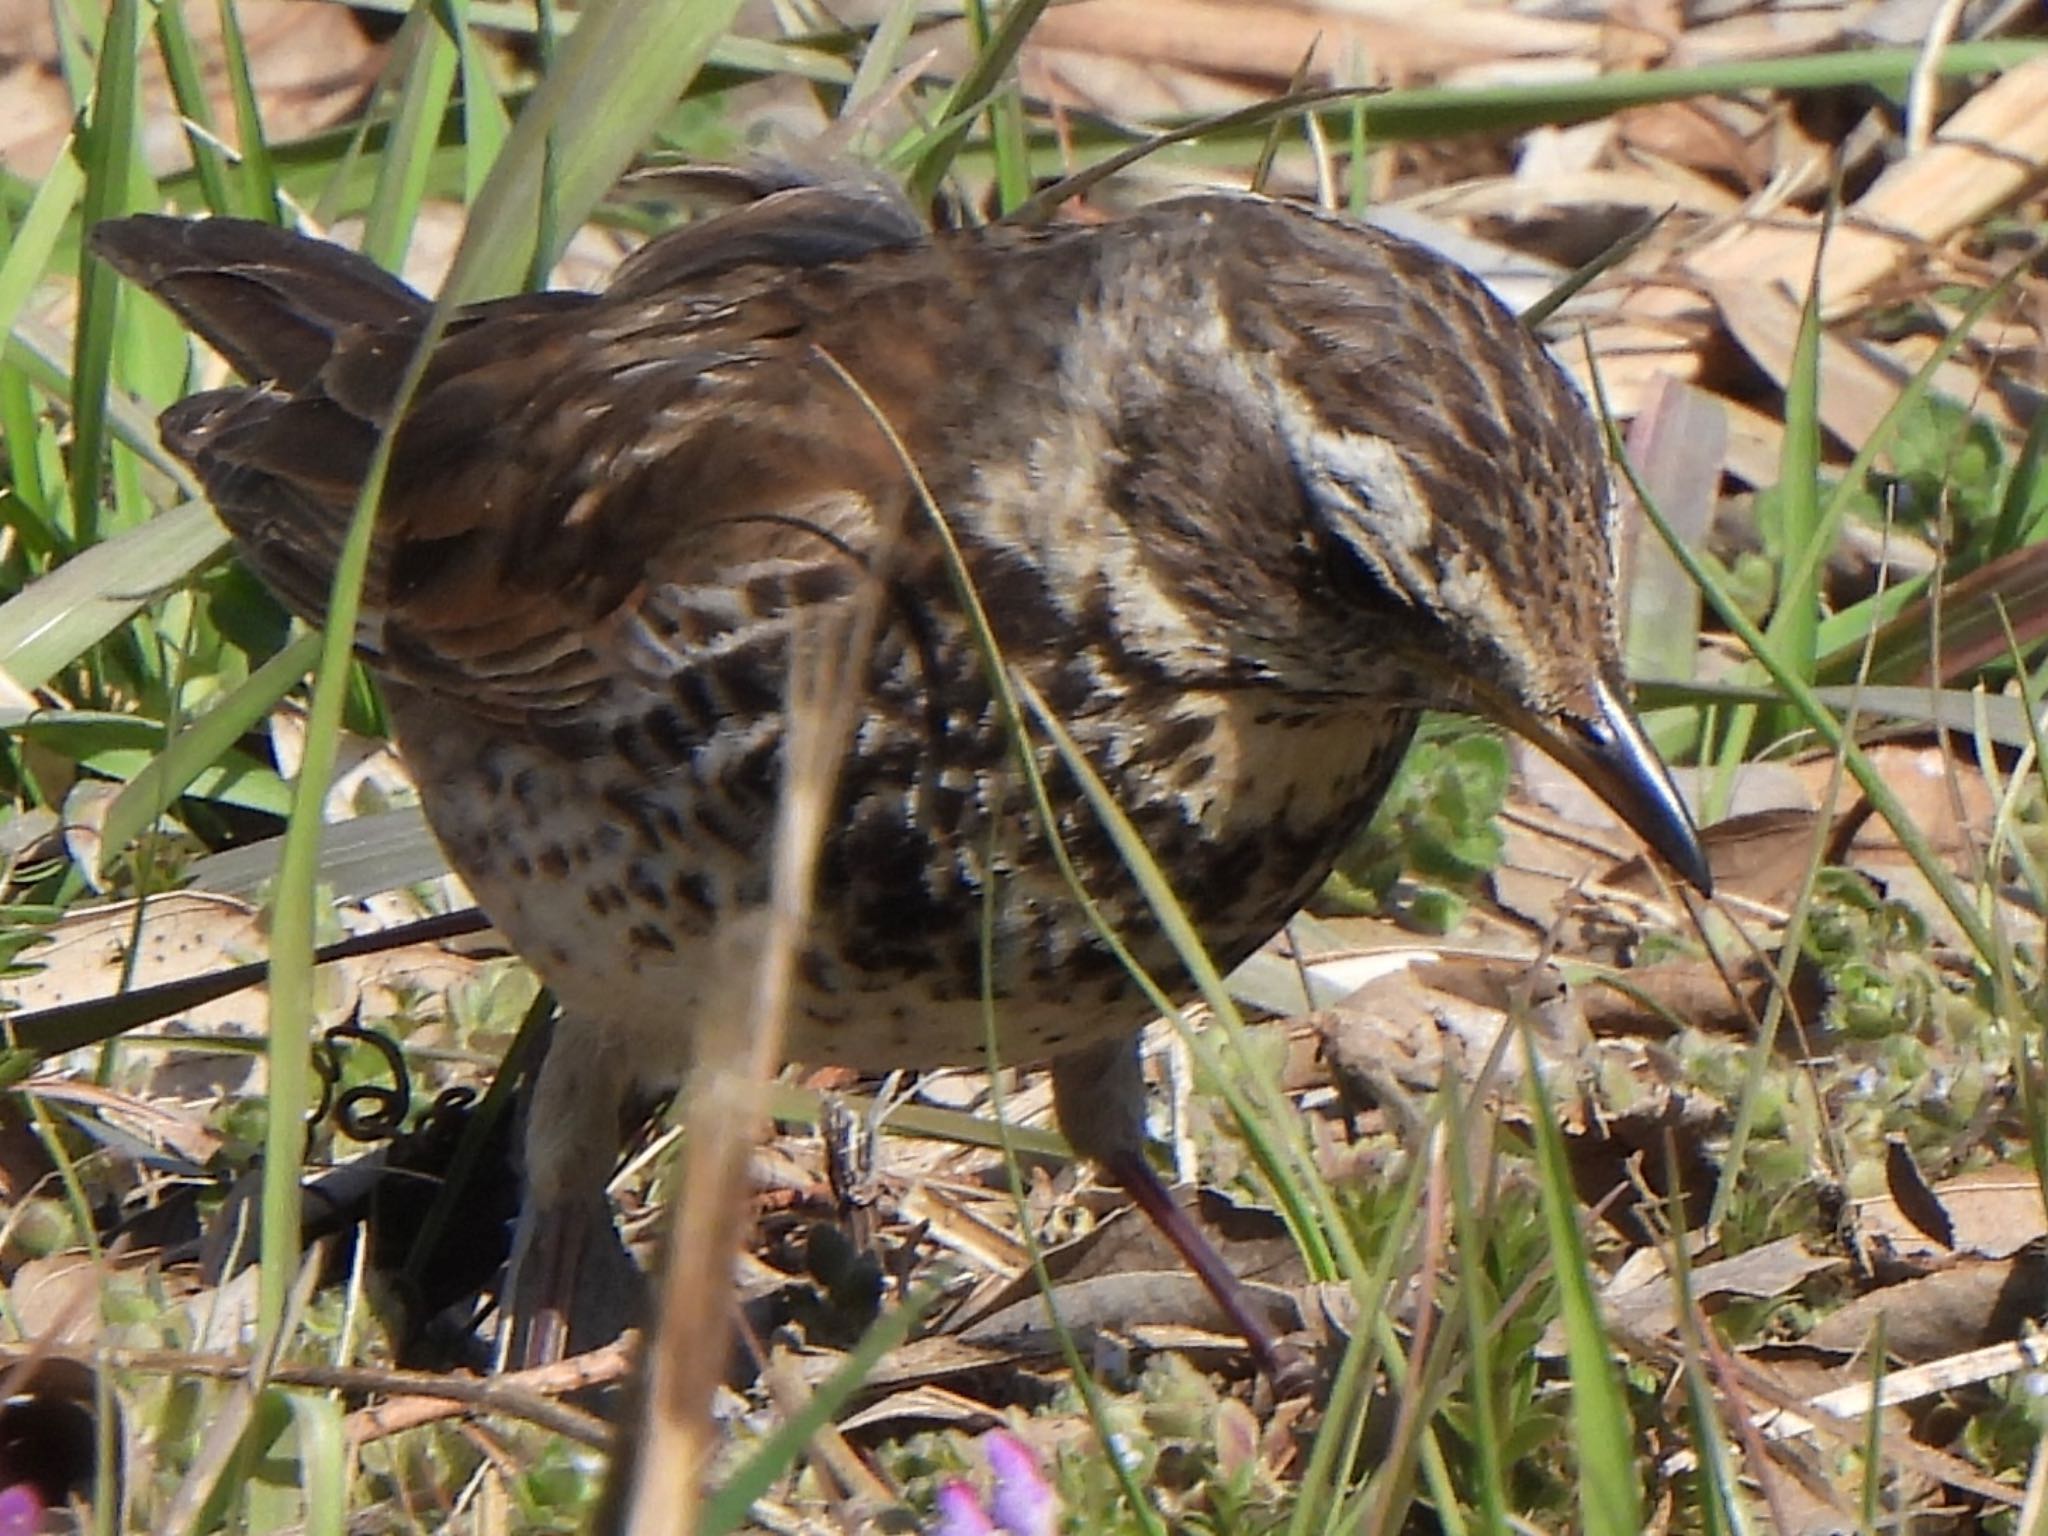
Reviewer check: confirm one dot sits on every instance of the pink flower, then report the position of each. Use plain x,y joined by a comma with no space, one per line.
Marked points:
1020,1502
21,1510
960,1512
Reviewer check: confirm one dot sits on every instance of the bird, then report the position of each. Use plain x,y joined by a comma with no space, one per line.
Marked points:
1242,488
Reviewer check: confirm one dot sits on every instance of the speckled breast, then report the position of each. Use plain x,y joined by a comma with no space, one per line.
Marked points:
615,871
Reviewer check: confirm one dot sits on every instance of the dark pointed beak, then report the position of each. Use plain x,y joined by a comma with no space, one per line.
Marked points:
1613,758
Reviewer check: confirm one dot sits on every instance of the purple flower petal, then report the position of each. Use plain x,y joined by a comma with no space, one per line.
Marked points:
21,1510
960,1513
1023,1502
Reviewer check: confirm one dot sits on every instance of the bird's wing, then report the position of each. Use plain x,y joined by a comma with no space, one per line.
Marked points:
580,479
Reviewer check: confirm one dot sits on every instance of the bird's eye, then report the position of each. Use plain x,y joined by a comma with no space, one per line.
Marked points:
1357,580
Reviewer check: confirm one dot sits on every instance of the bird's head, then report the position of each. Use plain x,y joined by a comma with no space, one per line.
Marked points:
1458,494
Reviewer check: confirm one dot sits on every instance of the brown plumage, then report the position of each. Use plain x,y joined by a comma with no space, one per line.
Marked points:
1244,488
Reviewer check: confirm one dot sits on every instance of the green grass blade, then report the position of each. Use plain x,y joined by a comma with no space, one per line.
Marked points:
1610,1501
1437,112
879,59
1442,112
2025,501
1822,721
1478,1306
258,176
323,1459
1967,624
1577,281
424,93
485,122
1793,629
1795,621
726,1509
201,744
931,155
613,89
38,354
218,178
109,150
33,242
1256,1101
57,619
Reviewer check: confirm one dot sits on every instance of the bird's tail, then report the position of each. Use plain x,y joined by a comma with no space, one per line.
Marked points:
323,336
275,304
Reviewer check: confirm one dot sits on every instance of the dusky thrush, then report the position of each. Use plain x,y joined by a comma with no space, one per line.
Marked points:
1242,487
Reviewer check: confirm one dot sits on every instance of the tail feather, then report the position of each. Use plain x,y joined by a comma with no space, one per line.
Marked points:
283,460
276,305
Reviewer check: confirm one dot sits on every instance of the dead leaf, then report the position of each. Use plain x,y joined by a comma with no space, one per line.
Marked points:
1994,1213
1966,1304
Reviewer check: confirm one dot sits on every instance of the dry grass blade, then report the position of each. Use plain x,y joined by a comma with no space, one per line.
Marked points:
827,681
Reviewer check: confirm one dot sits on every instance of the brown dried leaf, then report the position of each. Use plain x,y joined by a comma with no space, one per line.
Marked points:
1647,1304
1965,1305
1993,1212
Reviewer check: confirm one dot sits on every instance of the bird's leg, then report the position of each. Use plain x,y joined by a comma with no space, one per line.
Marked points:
1099,1095
540,1280
570,1284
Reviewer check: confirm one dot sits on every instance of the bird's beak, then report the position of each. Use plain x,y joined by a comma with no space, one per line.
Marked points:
1613,758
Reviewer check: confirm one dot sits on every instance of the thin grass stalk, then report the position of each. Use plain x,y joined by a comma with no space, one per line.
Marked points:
227,1434
1870,1508
1006,125
1610,1502
1794,624
1423,1363
1338,1451
826,680
1477,1307
1269,151
424,93
322,1455
109,151
339,153
2008,795
2027,1072
1575,282
1009,686
1255,1111
1011,690
878,60
210,162
726,1509
260,197
1856,621
490,252
1360,166
1722,1512
485,122
1820,718
2033,1513
932,153
30,247
194,746
1792,938
1791,946
2025,502
1013,1169
1792,630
